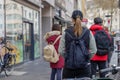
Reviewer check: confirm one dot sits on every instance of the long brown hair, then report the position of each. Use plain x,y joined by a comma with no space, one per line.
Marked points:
77,16
77,26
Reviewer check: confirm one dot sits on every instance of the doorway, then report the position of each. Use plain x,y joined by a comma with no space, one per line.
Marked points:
28,41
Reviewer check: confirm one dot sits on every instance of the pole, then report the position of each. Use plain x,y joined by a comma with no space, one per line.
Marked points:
119,19
5,23
111,14
5,19
119,31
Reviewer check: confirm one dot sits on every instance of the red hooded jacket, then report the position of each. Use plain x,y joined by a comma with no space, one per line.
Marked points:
94,28
60,63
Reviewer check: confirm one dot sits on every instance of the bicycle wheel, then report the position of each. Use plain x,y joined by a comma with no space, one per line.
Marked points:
1,65
9,65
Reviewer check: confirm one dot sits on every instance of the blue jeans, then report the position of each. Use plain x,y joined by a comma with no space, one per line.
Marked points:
56,71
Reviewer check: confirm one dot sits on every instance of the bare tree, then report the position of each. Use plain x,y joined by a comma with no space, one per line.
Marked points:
109,5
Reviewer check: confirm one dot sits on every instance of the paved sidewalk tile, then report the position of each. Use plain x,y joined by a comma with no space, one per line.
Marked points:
32,70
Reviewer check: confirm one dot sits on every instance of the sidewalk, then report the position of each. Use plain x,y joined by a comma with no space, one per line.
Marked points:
32,70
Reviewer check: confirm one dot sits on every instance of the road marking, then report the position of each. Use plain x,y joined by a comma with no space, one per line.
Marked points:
18,73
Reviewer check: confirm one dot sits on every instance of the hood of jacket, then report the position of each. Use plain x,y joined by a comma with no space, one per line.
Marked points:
96,27
51,33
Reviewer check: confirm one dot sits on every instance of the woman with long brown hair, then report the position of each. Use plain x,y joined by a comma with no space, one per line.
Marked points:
75,45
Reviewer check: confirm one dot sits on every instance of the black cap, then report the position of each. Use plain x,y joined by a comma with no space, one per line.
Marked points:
77,13
98,20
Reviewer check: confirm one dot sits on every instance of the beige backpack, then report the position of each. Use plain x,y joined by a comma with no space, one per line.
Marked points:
49,53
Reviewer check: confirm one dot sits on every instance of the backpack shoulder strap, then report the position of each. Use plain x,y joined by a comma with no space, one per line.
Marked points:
69,34
57,39
83,33
80,36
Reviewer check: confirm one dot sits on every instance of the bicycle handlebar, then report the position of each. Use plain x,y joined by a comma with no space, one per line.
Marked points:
9,49
106,70
114,69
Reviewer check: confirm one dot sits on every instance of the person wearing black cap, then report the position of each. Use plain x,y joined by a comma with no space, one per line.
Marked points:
84,47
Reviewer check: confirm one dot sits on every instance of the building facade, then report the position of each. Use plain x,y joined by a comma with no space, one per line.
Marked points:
20,25
56,12
24,23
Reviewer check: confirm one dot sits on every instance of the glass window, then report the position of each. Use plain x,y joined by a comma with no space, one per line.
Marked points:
13,31
14,16
34,17
27,13
36,34
0,6
1,18
15,13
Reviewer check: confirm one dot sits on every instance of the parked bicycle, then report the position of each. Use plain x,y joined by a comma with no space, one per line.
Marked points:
113,73
7,62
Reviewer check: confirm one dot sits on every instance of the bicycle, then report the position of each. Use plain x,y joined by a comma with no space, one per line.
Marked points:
7,62
113,73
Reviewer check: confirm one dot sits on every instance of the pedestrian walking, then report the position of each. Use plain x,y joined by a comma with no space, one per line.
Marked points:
50,37
77,44
103,41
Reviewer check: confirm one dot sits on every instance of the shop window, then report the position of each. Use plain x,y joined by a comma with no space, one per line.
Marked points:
0,26
24,13
36,15
0,6
36,34
14,16
13,19
30,15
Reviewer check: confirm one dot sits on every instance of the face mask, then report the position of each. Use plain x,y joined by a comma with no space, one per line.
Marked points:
83,23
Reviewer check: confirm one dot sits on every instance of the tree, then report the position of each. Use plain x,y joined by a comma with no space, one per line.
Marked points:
109,5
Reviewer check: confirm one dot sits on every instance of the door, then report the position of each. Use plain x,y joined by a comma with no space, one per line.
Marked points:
28,41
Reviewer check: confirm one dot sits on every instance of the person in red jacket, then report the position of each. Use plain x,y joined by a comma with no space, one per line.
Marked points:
50,37
98,60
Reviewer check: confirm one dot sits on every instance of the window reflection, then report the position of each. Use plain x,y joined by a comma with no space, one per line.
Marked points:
1,18
13,16
14,26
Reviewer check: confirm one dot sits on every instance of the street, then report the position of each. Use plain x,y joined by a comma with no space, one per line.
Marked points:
32,70
36,70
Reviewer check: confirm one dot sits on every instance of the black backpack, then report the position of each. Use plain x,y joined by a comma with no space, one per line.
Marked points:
103,42
78,55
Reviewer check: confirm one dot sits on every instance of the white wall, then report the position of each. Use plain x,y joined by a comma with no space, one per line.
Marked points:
69,8
79,4
51,2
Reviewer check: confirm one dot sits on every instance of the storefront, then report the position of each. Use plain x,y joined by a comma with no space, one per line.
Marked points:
59,18
20,25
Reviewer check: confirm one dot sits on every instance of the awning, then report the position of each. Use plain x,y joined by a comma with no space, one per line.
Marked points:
60,18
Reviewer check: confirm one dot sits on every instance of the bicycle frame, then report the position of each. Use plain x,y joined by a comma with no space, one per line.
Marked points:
6,61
